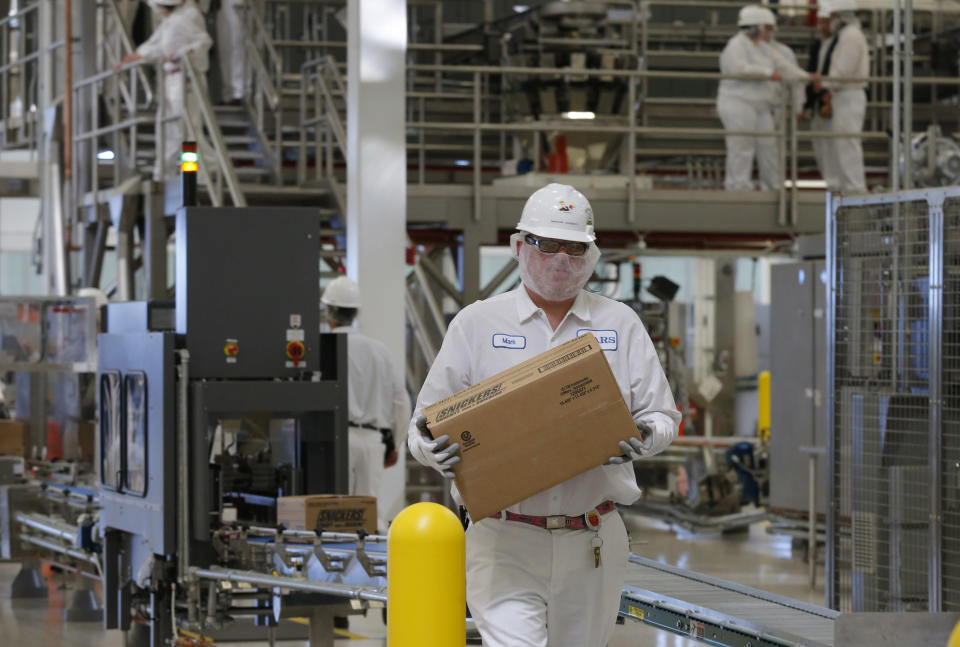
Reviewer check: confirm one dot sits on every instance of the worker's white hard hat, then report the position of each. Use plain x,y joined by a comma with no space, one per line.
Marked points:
343,292
755,15
769,18
558,211
840,6
99,298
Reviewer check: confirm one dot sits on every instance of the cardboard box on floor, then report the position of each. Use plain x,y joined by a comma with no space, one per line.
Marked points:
334,512
533,426
15,437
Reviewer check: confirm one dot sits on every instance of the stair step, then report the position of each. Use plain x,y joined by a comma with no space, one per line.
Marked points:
244,155
251,171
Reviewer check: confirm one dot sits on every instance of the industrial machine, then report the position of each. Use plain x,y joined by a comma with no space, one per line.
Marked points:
211,408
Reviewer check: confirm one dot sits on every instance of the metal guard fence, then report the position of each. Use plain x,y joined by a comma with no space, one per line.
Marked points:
893,527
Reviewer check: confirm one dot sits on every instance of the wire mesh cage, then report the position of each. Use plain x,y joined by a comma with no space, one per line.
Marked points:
893,367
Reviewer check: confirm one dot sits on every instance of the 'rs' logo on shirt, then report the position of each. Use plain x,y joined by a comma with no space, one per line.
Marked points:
608,339
501,340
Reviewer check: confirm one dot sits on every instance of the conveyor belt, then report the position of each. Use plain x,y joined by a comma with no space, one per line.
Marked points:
719,612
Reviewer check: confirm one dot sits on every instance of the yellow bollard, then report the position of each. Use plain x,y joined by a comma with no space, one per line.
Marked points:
763,405
954,640
426,578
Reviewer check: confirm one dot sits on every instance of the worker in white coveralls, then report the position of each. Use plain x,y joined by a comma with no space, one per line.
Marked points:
844,105
527,585
814,91
748,104
793,91
181,32
232,50
379,407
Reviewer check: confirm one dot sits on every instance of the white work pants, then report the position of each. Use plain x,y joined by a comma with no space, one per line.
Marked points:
530,587
232,50
173,129
366,465
843,156
737,114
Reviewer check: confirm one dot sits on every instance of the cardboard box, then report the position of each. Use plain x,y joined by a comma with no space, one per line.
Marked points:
15,437
334,512
533,426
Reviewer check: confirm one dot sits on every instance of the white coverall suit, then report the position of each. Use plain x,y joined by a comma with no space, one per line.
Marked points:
748,105
232,50
377,400
795,90
182,32
842,163
528,586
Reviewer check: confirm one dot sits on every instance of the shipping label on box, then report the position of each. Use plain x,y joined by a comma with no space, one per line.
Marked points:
534,426
332,512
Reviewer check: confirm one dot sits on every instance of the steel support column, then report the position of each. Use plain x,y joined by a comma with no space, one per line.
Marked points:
377,182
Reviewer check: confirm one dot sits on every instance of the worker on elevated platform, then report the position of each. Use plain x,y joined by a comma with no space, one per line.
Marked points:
749,104
379,406
235,72
814,90
182,31
527,585
843,105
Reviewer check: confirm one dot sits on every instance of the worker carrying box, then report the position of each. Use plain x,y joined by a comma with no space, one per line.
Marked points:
540,432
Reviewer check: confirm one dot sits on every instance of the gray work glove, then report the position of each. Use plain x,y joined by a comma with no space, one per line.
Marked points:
636,447
441,456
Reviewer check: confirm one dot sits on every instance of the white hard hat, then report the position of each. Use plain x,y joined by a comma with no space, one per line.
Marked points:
769,18
558,211
755,15
823,10
840,6
343,292
99,298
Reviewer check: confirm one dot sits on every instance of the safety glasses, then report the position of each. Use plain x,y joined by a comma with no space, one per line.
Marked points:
551,246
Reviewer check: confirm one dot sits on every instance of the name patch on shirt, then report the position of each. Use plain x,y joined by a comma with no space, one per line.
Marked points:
501,340
608,339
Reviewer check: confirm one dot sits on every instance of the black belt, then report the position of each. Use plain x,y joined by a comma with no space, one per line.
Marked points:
382,430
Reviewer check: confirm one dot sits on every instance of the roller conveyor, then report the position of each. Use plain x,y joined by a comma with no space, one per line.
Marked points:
719,612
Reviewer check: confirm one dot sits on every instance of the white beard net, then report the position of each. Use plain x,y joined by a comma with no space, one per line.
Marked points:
555,277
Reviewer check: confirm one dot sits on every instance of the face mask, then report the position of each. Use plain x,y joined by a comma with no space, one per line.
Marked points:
556,277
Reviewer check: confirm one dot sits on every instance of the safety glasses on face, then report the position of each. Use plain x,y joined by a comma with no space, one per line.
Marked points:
551,246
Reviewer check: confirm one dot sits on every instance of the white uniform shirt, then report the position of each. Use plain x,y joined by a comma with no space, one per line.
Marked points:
470,354
743,56
850,58
182,31
377,395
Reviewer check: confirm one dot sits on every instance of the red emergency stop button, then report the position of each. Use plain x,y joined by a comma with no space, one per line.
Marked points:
295,351
231,350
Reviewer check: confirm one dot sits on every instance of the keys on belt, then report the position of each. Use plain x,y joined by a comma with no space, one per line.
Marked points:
588,521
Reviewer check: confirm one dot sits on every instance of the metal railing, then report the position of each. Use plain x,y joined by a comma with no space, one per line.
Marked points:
20,56
322,123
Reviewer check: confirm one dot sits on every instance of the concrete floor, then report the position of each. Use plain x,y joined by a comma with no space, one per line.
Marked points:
754,559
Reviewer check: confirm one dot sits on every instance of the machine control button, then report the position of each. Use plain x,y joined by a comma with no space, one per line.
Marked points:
231,349
295,351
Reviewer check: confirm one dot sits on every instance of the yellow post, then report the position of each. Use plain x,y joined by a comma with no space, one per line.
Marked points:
763,405
426,578
954,640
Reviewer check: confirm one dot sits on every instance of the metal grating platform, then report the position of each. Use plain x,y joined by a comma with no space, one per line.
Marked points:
719,612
